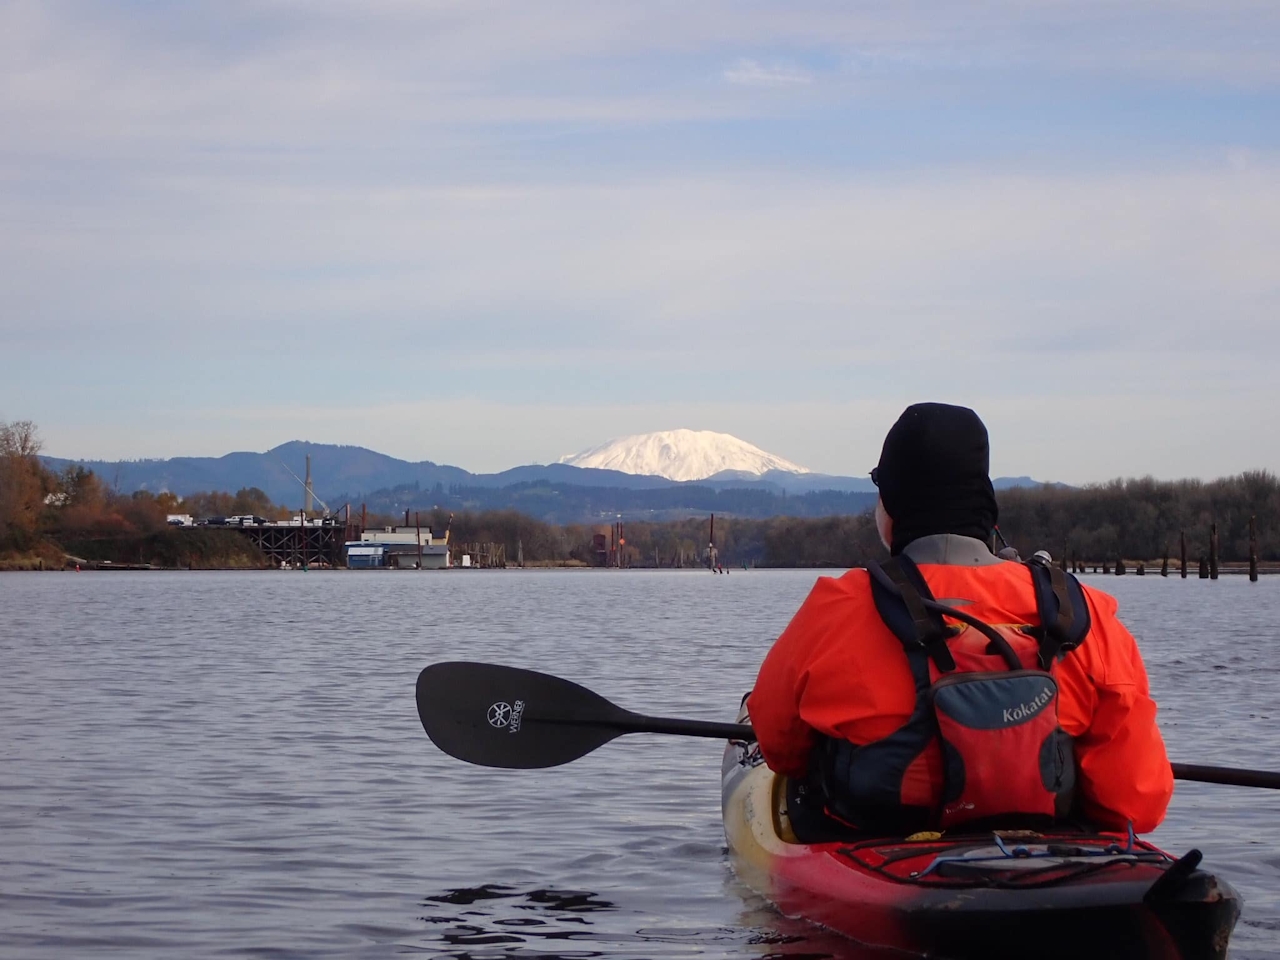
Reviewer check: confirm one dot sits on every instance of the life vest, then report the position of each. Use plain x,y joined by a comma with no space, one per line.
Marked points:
985,721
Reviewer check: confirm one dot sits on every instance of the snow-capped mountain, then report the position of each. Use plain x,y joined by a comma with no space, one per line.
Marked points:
681,455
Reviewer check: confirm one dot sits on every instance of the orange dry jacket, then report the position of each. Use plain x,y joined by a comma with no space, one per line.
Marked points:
838,670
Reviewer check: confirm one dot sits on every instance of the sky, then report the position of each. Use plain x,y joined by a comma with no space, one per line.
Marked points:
489,234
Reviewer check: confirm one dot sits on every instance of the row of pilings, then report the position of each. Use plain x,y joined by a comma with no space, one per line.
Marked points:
1206,564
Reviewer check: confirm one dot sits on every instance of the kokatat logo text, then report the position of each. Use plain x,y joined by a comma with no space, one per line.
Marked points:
1024,710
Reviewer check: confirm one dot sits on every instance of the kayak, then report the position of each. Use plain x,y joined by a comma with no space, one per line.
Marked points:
983,895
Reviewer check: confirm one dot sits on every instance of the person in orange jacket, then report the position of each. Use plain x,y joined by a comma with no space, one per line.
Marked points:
852,709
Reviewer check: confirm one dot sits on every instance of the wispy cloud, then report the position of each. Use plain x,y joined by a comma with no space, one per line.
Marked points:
752,73
492,273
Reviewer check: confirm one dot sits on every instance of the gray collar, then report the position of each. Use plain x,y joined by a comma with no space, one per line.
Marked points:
950,549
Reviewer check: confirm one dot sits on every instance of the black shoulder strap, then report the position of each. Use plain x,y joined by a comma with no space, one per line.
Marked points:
897,587
1063,611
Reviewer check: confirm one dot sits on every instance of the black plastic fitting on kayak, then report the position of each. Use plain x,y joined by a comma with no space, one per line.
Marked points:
1174,879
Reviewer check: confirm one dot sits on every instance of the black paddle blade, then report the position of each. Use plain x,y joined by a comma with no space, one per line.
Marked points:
500,716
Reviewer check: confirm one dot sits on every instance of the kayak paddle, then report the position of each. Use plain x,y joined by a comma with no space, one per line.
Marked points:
506,717
498,716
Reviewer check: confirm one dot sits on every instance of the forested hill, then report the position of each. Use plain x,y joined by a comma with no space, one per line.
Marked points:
351,474
343,474
570,503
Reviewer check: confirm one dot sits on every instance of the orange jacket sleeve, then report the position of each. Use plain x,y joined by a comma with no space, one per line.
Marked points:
1124,773
774,704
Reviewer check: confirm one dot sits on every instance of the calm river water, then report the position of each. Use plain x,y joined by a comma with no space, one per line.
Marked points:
231,765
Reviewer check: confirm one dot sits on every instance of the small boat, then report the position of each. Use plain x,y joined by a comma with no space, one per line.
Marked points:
989,895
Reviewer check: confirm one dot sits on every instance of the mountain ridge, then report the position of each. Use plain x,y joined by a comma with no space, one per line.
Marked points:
347,473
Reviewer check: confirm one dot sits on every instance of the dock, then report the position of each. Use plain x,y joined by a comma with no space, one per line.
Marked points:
290,543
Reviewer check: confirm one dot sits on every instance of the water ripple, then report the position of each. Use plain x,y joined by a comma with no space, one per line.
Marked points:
230,765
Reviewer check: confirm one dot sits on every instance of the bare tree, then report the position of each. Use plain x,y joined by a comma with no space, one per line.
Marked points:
19,439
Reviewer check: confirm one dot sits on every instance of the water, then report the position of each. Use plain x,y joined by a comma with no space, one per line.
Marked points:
231,765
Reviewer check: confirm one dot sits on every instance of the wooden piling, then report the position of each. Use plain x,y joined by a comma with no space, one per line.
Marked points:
1142,569
1106,567
1213,551
1164,565
1204,568
1253,550
1120,568
417,523
1182,537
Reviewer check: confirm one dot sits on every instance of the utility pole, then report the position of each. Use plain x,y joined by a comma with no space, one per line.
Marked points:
306,505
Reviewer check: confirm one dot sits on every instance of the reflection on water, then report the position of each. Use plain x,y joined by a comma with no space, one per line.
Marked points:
550,915
533,923
777,937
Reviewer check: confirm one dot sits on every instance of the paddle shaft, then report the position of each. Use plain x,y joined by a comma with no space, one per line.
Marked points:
686,728
638,723
1231,776
507,717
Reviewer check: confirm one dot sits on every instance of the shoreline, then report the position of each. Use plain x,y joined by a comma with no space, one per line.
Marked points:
1233,569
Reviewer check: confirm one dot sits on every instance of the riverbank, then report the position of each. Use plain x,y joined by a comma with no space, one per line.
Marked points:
169,549
73,564
783,544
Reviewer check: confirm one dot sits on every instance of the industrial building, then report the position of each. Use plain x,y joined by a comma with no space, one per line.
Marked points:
402,548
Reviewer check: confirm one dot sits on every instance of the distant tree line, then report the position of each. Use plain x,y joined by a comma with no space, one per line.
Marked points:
44,513
1135,519
1143,519
565,503
778,541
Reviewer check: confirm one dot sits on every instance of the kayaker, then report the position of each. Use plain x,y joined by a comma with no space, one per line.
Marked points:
841,709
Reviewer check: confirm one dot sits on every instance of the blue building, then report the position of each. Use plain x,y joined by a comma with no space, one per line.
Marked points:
363,556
